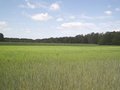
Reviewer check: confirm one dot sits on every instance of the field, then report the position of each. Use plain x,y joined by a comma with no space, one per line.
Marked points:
59,67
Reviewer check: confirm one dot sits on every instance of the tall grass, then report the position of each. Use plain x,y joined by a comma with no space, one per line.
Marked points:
59,68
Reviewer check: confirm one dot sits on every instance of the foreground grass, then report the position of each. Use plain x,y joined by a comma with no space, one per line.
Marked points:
59,67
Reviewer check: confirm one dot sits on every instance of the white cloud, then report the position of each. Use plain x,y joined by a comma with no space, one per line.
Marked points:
83,16
41,17
71,25
118,29
3,25
43,5
30,5
54,6
59,19
77,25
103,17
110,26
117,9
33,5
27,30
108,12
72,17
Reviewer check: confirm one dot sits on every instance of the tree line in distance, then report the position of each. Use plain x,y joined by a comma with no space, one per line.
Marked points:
108,38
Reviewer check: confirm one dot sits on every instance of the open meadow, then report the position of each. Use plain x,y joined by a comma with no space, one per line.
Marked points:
59,67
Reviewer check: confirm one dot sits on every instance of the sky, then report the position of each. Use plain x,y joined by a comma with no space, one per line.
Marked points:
57,18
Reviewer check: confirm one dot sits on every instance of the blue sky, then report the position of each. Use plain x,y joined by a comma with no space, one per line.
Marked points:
57,18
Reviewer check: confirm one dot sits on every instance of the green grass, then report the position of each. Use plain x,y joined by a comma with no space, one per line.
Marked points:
42,44
83,67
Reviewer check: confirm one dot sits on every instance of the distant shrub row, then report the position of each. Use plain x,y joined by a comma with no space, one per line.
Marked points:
108,38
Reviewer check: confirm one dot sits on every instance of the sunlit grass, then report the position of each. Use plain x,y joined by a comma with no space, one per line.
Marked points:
60,67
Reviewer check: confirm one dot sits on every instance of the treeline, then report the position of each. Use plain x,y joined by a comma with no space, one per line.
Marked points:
108,38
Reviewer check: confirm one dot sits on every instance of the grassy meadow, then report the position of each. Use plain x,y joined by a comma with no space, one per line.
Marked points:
59,67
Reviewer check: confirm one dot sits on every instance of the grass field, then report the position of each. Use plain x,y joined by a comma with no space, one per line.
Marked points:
84,67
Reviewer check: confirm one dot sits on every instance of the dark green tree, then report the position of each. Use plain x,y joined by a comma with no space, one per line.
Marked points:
1,37
116,38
